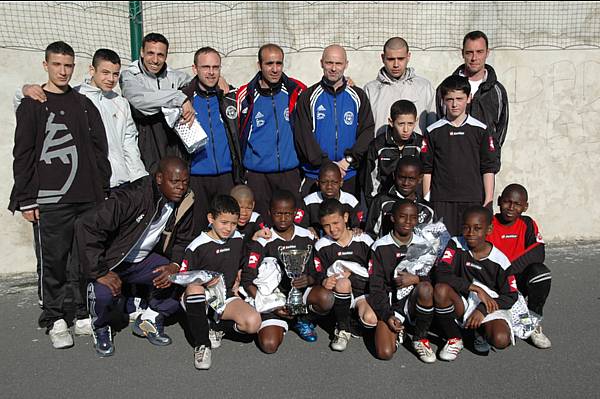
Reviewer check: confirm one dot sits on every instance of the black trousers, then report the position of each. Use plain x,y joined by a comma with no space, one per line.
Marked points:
264,184
59,264
205,189
452,214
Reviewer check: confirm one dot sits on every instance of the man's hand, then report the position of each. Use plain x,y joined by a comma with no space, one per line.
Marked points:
189,115
283,312
223,85
490,304
32,215
112,281
262,233
163,272
302,281
406,279
343,165
474,321
395,324
35,92
329,282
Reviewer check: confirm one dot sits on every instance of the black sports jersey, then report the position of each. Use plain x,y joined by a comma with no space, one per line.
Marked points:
385,256
458,268
457,157
313,201
206,253
357,250
379,222
255,223
260,249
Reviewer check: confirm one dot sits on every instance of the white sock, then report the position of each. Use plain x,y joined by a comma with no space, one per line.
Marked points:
149,314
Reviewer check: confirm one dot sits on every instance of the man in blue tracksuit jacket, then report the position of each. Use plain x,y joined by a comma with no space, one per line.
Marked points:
266,133
215,167
333,122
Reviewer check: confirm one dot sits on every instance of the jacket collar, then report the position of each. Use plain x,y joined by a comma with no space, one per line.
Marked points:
490,79
326,84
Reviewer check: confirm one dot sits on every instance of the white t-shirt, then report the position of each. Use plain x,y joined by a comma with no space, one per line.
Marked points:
151,236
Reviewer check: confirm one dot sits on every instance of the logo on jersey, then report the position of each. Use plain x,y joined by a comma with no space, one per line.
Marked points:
491,145
422,216
505,236
512,282
321,112
349,118
184,266
457,133
539,238
221,250
359,215
286,114
318,265
474,265
424,147
253,260
448,255
399,254
370,270
341,253
231,112
259,119
139,218
299,216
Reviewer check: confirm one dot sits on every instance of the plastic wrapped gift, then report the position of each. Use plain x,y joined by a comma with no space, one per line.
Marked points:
215,294
193,137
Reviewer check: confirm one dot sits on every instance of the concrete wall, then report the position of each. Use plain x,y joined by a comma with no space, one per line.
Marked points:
552,145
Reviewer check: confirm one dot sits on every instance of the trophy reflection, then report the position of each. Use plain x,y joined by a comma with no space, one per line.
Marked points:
294,262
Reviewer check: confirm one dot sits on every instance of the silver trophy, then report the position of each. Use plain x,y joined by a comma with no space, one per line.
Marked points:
294,261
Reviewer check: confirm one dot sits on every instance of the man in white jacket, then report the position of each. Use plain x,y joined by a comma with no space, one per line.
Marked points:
396,81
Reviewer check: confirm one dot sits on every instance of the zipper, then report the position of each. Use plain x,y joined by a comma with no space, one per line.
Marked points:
276,132
212,135
336,124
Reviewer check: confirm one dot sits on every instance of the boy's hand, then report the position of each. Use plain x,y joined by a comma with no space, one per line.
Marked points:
283,312
395,324
356,231
329,283
406,279
236,284
164,271
262,233
223,85
212,282
302,282
313,231
474,321
112,281
34,92
490,304
32,215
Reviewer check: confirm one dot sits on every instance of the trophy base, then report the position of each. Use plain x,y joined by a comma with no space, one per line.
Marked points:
295,310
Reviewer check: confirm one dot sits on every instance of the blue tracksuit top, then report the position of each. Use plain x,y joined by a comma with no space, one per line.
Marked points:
270,146
215,157
335,122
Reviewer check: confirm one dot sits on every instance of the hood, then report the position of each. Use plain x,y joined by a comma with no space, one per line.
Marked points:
90,91
384,78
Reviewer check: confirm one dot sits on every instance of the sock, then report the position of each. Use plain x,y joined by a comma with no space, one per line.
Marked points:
446,318
198,321
539,288
149,314
423,319
341,309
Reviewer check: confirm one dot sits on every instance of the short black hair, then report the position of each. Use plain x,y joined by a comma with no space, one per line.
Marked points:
402,107
455,83
155,37
281,196
476,34
59,48
269,46
330,167
478,210
331,206
401,202
171,161
514,187
205,50
408,161
104,54
223,204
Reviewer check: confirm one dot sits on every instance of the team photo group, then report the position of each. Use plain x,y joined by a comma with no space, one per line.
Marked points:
247,212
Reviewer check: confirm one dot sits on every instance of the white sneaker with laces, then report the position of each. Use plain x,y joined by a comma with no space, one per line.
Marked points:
215,338
202,357
423,349
340,340
60,335
539,339
83,327
400,339
451,350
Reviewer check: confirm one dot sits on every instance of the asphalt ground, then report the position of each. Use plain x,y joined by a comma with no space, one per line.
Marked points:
31,368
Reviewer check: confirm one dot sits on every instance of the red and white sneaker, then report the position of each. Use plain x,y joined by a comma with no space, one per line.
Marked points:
423,349
451,350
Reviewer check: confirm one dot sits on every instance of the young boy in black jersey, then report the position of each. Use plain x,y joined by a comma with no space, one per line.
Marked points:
285,233
519,238
407,178
474,286
250,224
330,186
460,158
220,249
350,279
399,140
417,306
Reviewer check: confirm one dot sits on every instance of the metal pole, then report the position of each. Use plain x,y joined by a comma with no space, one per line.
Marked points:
136,28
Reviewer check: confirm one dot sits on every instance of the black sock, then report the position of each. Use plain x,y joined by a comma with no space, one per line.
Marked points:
195,306
539,288
423,319
341,308
446,318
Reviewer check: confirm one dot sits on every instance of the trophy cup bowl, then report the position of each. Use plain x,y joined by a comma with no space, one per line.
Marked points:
294,262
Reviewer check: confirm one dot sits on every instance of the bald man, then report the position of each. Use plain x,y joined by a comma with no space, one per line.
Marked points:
333,122
138,236
396,81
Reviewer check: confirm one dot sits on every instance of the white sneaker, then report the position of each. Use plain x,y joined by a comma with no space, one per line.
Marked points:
215,338
423,349
60,335
451,350
340,340
83,327
202,357
539,339
400,339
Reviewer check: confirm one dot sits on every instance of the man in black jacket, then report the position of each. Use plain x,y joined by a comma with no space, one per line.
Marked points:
138,236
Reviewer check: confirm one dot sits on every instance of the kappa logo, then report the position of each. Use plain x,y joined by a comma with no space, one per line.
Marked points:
231,112
448,255
139,218
286,114
184,266
253,260
318,265
539,238
491,145
512,282
370,270
321,112
299,216
259,119
349,118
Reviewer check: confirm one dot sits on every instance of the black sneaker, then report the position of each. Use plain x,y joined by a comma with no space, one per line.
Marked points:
153,331
103,341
